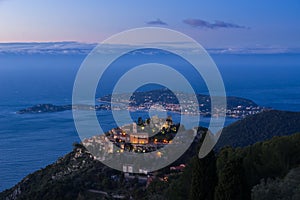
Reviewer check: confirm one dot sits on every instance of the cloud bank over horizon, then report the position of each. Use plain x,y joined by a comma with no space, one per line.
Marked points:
77,48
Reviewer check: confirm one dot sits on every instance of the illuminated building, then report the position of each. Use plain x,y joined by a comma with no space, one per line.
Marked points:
139,138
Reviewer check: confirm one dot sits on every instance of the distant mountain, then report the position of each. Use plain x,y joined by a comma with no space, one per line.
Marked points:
259,127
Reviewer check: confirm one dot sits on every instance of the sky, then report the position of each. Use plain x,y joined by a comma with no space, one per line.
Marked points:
214,24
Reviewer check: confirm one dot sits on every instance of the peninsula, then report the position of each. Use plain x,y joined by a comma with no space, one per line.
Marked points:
161,100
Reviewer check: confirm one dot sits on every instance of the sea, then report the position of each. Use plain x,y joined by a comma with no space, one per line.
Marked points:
30,142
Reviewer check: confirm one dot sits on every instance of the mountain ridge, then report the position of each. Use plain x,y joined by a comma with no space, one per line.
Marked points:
259,127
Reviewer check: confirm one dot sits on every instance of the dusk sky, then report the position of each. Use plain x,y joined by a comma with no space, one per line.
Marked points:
215,24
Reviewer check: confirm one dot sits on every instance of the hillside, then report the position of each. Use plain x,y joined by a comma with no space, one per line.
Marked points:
259,127
287,188
77,175
235,173
230,174
70,177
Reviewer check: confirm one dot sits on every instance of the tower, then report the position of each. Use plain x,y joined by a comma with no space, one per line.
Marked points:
134,128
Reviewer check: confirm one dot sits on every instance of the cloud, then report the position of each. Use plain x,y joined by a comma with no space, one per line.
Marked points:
156,22
206,24
197,23
46,48
222,24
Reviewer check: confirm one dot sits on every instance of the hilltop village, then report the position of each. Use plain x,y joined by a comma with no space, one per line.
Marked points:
140,137
143,136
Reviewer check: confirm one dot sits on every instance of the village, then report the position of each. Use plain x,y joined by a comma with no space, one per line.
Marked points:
143,136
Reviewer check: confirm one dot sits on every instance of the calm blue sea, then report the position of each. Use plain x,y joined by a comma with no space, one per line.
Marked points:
32,141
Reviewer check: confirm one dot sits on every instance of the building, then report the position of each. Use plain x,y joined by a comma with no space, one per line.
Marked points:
127,168
139,138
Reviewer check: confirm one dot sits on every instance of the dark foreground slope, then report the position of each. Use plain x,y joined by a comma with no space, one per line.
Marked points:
259,127
240,173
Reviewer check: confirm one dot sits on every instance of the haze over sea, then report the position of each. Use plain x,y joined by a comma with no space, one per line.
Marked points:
32,141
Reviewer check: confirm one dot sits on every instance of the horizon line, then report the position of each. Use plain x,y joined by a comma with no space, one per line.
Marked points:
6,48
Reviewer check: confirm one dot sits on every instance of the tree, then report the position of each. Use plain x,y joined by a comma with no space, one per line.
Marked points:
140,121
148,120
204,177
231,185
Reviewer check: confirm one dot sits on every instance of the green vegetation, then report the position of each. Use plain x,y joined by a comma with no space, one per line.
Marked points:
231,179
239,170
204,177
281,189
259,127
